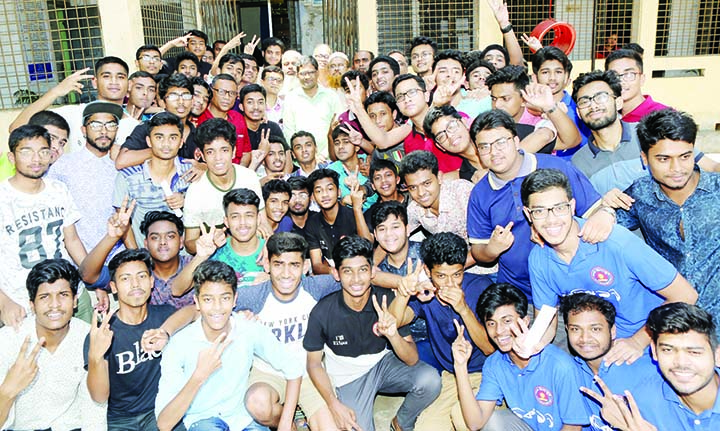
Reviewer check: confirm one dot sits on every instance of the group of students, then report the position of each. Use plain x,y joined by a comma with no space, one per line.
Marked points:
292,241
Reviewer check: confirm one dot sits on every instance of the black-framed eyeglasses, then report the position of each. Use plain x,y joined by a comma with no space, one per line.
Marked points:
539,213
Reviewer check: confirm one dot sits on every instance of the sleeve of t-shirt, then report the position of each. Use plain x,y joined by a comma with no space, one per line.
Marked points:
253,297
417,307
573,409
319,286
72,213
544,290
311,236
651,269
172,378
193,208
277,354
315,337
136,141
490,387
479,227
120,191
584,193
275,129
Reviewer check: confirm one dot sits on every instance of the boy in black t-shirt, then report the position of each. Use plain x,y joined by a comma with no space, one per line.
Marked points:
122,353
364,351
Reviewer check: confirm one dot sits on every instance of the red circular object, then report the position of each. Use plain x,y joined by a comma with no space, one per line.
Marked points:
564,34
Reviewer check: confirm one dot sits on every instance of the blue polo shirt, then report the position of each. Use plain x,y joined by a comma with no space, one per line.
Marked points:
545,394
618,378
661,406
440,326
622,269
496,202
696,254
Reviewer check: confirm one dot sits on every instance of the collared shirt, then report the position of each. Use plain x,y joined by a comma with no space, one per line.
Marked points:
621,269
136,183
275,113
242,144
544,394
696,254
416,140
222,395
312,114
647,106
494,202
162,289
452,210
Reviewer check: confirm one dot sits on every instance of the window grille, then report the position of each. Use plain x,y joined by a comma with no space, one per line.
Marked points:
688,27
165,20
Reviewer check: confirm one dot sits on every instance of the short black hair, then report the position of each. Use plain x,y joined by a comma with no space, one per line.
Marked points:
449,54
391,62
140,74
272,41
319,174
405,77
681,318
177,80
164,119
338,130
478,63
286,242
351,75
301,134
50,271
198,33
549,53
110,60
352,246
381,97
271,69
388,208
130,255
231,58
251,88
279,139
624,53
423,40
608,76
212,129
443,248
201,82
497,295
496,47
510,74
27,131
214,271
634,47
155,216
490,120
145,48
579,302
434,114
275,186
298,182
541,180
417,160
49,118
223,77
186,55
666,124
308,59
241,196
380,164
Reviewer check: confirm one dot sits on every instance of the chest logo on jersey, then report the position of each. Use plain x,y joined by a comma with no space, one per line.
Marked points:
543,395
128,361
339,341
601,276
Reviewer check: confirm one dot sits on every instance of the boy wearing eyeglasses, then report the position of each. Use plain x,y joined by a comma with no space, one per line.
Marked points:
622,269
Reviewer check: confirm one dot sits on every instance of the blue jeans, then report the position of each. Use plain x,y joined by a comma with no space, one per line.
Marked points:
217,424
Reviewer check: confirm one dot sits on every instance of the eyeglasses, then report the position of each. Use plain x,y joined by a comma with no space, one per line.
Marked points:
400,97
223,93
171,97
207,59
599,98
452,127
628,76
322,56
500,144
426,54
55,139
97,126
27,153
150,58
307,74
558,210
273,80
301,195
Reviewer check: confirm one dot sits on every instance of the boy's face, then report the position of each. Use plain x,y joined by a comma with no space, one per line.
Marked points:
286,271
382,116
165,141
163,241
254,106
181,103
251,71
477,77
132,284
200,100
215,302
54,305
499,324
424,187
325,193
275,159
344,149
150,62
218,155
234,69
196,45
671,163
299,202
242,221
554,226
553,74
303,149
501,159
273,55
506,97
111,82
142,92
31,157
445,277
410,105
188,68
449,72
422,58
276,206
385,182
382,76
687,361
391,234
59,138
631,78
451,134
354,274
589,334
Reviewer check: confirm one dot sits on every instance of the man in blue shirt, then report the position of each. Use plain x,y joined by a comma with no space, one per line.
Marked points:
633,277
541,392
205,367
590,324
455,294
496,225
677,208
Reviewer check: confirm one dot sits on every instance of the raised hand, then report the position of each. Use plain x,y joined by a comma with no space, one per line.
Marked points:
500,10
520,336
205,245
12,314
454,296
620,412
103,300
538,96
354,136
532,42
210,359
387,324
501,238
100,335
461,347
180,42
353,97
409,284
250,46
154,340
72,82
119,223
24,370
357,195
236,40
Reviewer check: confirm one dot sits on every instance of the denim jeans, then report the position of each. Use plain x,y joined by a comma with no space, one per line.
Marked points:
217,424
142,422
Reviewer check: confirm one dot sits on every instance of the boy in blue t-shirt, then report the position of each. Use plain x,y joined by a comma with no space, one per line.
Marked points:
541,392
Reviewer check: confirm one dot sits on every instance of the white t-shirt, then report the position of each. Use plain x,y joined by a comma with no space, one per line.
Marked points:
32,231
73,115
203,199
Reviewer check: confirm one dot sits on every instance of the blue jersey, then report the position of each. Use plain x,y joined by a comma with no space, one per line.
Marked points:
618,378
545,394
622,269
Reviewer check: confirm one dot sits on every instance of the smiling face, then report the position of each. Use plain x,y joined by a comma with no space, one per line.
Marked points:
254,106
273,82
31,157
410,106
218,155
308,77
422,59
101,139
598,115
451,134
142,92
242,222
165,141
54,305
163,241
275,159
111,82
286,271
671,163
391,234
132,284
196,45
552,74
200,100
354,274
687,361
250,72
631,78
303,149
424,188
272,55
215,302
382,76
325,193
449,72
234,69
554,229
276,206
385,182
589,334
499,324
503,161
